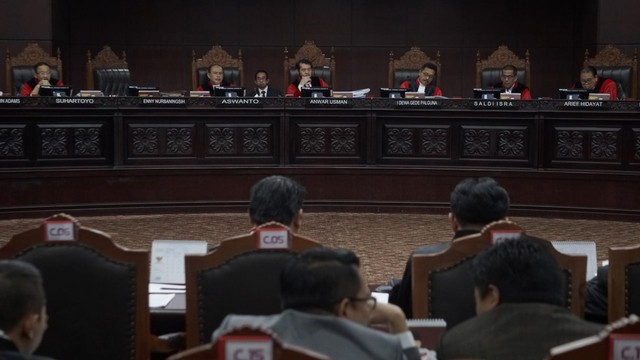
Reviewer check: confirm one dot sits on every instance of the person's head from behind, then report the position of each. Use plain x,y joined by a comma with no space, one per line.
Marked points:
215,73
325,280
519,270
304,67
588,76
508,75
277,198
42,71
476,202
261,79
23,313
428,72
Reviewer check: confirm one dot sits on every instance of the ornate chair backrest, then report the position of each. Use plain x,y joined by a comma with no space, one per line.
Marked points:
233,69
323,67
107,72
612,63
488,71
19,68
406,68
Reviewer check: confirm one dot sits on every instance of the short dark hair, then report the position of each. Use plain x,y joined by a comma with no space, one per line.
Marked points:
211,67
260,71
36,66
319,278
275,198
479,201
21,292
431,66
510,67
303,61
588,69
522,269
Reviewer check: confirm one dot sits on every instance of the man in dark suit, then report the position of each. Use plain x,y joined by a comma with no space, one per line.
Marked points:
23,312
262,89
327,309
475,202
519,292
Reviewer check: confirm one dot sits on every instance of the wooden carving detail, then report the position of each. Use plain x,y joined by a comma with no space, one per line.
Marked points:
412,59
610,56
501,57
106,58
216,56
312,53
33,54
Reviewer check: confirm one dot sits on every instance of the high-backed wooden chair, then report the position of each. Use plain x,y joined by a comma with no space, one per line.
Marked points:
600,346
443,284
324,67
19,68
107,72
233,69
238,277
612,63
488,71
624,281
280,350
97,291
406,68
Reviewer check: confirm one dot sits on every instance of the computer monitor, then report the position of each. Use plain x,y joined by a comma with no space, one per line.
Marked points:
573,94
316,92
223,91
133,90
392,93
487,94
57,91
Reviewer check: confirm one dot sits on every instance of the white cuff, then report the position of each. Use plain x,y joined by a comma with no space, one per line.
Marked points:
406,339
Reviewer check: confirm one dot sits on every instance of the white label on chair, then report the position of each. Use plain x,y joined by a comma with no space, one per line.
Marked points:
247,348
58,231
273,238
625,347
501,235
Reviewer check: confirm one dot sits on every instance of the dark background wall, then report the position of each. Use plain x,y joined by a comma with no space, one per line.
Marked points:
159,36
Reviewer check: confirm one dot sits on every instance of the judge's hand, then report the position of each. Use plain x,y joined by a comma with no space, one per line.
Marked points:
392,315
304,80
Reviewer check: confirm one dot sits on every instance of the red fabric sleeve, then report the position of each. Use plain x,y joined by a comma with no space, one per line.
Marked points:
437,92
610,87
293,90
526,95
404,85
25,90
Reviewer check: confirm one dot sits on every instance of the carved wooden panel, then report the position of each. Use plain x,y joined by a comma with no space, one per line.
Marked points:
339,142
589,145
161,140
227,139
636,144
71,141
12,142
501,142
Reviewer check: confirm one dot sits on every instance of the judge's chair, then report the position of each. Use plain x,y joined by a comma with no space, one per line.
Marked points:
406,68
268,343
108,73
323,67
611,63
232,68
97,292
489,70
19,68
624,281
443,285
241,276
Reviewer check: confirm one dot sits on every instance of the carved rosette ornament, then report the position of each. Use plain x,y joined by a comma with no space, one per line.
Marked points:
434,142
11,142
87,141
54,142
637,145
570,144
221,141
343,141
312,140
255,140
179,141
399,141
604,145
145,141
476,142
511,143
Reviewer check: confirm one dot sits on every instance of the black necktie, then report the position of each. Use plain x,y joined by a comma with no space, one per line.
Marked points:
263,93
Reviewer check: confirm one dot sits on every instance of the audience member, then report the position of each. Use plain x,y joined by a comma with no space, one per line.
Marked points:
474,204
590,80
423,83
215,76
262,89
23,312
510,84
328,307
305,79
277,198
596,303
519,291
41,76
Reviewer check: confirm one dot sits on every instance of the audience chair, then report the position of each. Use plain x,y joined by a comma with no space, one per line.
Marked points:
600,346
19,68
324,67
443,285
624,281
406,68
281,351
97,291
237,277
233,68
108,73
488,71
611,63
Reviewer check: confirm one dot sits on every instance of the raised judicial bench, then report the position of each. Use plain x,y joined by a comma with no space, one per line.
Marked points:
577,158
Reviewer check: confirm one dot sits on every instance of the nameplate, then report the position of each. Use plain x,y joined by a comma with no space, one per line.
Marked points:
55,230
624,347
10,101
245,347
328,102
418,103
494,104
240,102
272,238
158,101
585,105
73,101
